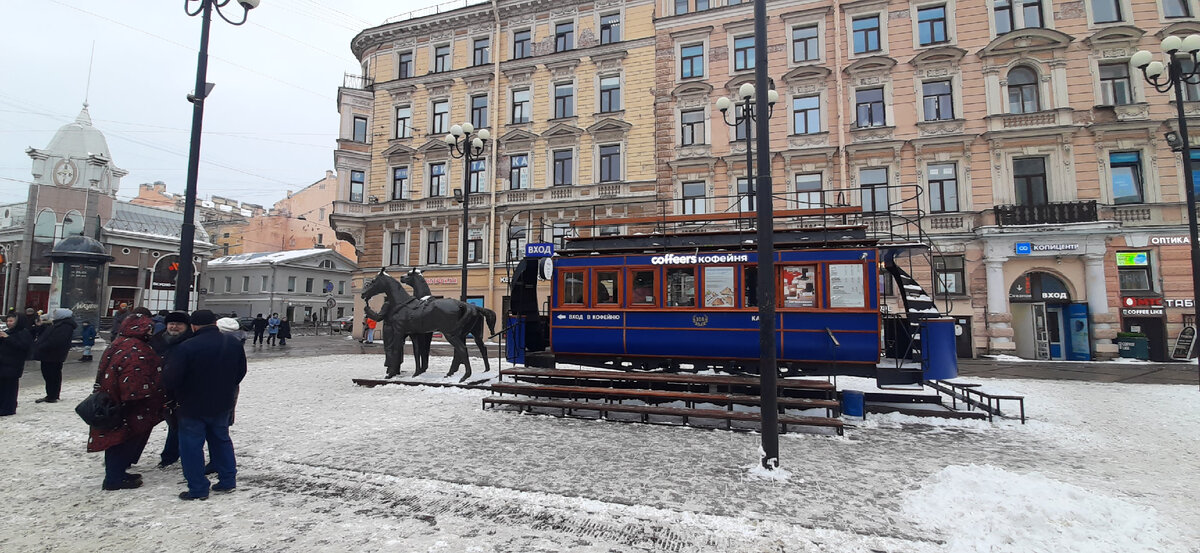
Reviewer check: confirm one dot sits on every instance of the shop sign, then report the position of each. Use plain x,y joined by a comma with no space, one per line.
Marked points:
1142,307
1184,343
1026,248
441,280
1170,240
1152,312
1142,302
1023,248
539,249
1188,303
1132,259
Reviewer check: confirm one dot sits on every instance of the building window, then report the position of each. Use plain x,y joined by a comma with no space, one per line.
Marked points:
564,173
806,115
564,100
804,44
743,53
520,106
951,275
681,7
943,187
610,94
610,163
400,183
441,114
1126,177
1029,180
564,37
360,129
1133,271
693,198
1022,91
437,179
403,121
808,191
1017,14
691,127
691,61
474,246
357,184
869,105
433,247
229,284
479,52
517,238
291,284
931,25
939,100
1191,92
308,285
264,284
441,58
341,290
521,44
874,189
745,192
1106,11
701,5
404,65
866,34
479,111
1115,88
559,234
610,28
245,284
518,172
1176,8
212,285
477,179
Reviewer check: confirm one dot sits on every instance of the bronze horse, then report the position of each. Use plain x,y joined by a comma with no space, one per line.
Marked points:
415,280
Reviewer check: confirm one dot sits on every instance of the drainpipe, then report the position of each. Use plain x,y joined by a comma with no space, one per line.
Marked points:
844,164
271,303
494,122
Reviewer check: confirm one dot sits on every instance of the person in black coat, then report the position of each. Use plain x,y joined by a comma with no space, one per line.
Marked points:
285,331
51,348
203,374
15,344
260,327
174,333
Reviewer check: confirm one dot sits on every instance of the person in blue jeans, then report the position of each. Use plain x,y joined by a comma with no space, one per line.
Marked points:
203,374
272,328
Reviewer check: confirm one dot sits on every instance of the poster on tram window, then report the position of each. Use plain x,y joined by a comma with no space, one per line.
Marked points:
799,286
846,286
718,287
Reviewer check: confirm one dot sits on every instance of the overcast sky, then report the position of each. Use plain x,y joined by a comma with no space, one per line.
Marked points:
269,125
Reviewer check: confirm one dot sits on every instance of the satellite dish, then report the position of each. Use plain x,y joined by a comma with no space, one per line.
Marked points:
546,268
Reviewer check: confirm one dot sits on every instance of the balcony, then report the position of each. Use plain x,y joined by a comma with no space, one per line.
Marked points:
1055,213
357,82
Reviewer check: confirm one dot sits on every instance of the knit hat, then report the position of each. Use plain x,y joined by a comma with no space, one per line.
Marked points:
203,317
176,317
62,313
228,324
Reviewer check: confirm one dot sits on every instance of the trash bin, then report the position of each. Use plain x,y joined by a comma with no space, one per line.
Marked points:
853,404
1133,346
939,349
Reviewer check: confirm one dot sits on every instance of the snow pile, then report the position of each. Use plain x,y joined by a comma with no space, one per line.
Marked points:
988,509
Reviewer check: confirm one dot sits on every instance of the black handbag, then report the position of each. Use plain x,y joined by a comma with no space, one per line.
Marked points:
100,411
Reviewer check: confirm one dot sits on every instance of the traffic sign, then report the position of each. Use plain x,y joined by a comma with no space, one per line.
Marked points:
330,303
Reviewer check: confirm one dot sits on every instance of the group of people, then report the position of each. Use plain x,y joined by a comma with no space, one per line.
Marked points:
273,329
44,339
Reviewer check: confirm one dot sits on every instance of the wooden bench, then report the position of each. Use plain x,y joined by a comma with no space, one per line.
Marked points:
682,378
688,398
567,406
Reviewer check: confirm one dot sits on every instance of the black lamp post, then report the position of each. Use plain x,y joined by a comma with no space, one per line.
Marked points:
744,115
466,143
187,233
1176,78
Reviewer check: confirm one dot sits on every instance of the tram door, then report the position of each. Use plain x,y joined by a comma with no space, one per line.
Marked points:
1041,331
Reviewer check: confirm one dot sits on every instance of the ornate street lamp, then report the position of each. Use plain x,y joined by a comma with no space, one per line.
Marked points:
187,233
467,144
744,114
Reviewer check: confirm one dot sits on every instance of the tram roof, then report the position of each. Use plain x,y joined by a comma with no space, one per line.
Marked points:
728,240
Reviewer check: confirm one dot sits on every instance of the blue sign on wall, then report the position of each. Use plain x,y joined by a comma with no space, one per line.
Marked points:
539,249
1024,248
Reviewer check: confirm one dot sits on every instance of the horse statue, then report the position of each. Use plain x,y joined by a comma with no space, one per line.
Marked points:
408,315
415,280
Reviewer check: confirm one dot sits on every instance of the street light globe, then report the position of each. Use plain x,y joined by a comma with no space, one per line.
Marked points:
249,4
484,134
723,103
1141,59
746,91
449,139
1171,44
772,96
1154,69
477,143
456,130
1191,43
468,128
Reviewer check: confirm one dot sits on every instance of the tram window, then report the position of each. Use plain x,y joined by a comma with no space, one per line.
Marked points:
681,287
606,287
572,288
718,287
799,286
750,287
643,288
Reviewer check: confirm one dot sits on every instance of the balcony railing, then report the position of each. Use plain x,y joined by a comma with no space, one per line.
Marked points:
358,82
1054,213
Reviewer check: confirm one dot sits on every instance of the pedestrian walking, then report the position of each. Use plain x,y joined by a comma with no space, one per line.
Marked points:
203,373
175,333
285,331
130,372
259,326
15,344
118,318
272,328
51,349
87,336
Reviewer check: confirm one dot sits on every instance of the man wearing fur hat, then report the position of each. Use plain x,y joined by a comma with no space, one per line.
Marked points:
175,333
51,349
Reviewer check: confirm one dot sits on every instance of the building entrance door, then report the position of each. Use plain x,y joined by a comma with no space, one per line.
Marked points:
1055,332
1155,329
1041,332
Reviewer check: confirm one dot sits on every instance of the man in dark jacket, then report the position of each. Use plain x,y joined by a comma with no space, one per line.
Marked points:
174,333
118,318
51,349
203,374
15,343
260,327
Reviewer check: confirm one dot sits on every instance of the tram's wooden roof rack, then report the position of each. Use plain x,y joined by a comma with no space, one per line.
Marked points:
714,217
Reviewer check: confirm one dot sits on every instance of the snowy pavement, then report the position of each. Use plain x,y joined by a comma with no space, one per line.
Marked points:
328,466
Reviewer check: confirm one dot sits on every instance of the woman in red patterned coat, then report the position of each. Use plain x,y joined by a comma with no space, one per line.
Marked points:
130,372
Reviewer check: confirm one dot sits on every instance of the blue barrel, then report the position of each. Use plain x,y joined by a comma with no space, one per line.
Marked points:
515,336
852,403
939,353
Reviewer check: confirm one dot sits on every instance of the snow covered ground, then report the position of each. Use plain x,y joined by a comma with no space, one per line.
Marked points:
325,465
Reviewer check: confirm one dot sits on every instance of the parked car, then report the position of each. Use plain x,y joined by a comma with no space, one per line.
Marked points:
344,323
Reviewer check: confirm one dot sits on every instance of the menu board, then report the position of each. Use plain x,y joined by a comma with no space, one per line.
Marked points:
718,287
799,286
846,286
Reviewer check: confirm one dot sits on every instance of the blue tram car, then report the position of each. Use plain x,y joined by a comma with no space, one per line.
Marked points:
687,301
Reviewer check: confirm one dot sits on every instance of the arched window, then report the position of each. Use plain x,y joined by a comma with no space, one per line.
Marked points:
43,228
1023,91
